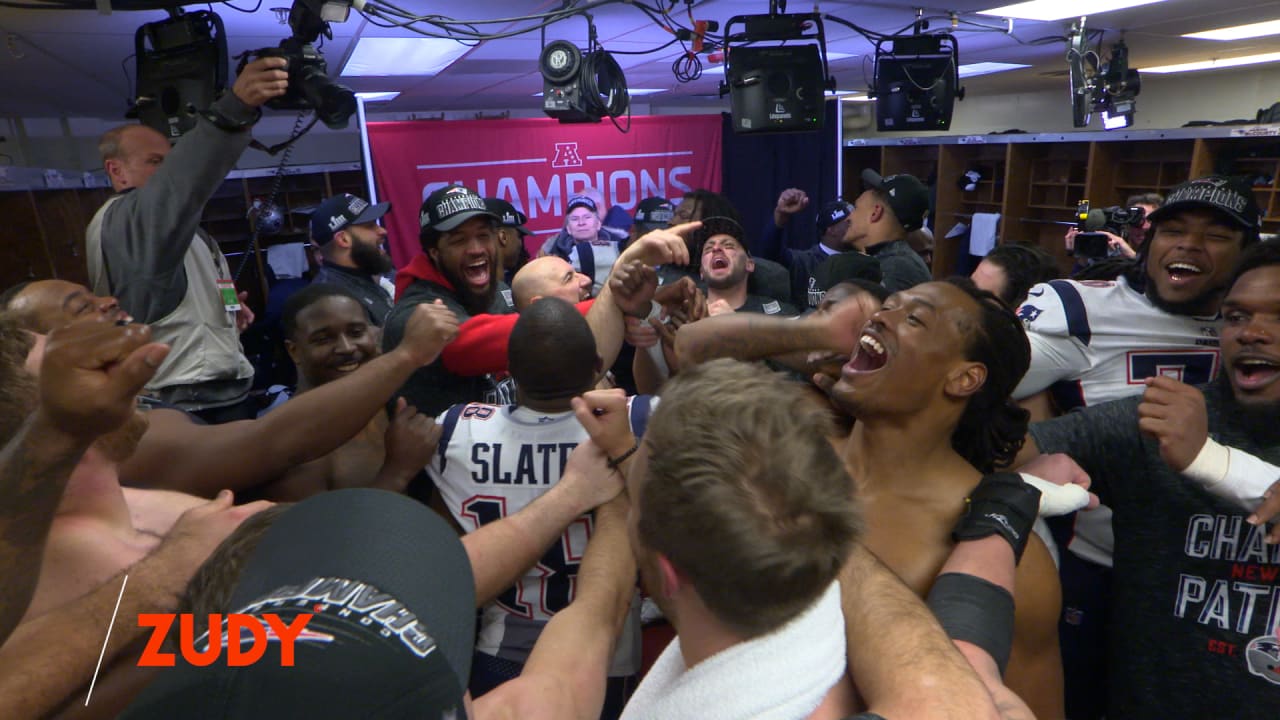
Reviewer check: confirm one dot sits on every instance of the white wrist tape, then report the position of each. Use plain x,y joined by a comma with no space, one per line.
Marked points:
1057,499
1232,474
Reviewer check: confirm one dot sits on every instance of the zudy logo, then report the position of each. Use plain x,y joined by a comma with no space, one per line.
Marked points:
245,638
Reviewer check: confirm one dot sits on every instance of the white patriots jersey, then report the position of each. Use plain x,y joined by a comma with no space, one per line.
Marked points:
1095,341
493,461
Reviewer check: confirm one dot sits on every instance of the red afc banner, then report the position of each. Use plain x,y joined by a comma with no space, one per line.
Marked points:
538,164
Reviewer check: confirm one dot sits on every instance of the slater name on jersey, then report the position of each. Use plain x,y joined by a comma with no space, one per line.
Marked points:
523,464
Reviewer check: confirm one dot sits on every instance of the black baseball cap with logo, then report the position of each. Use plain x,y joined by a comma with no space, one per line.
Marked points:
339,211
718,225
832,213
654,213
908,197
508,215
449,207
391,597
1230,196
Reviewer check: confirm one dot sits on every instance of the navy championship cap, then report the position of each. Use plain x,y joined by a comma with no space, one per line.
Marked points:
508,215
339,211
392,602
578,201
1233,197
449,207
832,213
654,213
908,197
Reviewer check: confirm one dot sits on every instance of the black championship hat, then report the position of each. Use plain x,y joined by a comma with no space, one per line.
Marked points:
908,197
718,225
1230,196
449,207
392,602
508,215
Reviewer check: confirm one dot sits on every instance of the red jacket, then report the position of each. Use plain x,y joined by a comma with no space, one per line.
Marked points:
481,345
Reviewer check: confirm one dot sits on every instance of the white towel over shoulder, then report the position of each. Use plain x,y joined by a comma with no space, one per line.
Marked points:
781,676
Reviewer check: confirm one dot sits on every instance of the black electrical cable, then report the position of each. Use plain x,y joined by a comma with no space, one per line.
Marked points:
255,9
599,68
275,187
660,48
128,81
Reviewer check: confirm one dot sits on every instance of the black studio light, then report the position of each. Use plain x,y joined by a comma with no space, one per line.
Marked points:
181,69
916,82
777,87
581,86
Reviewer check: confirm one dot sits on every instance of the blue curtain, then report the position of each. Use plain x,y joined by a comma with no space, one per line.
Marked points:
757,167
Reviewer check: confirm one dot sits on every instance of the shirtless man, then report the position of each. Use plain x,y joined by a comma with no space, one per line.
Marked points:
176,453
99,527
929,384
328,336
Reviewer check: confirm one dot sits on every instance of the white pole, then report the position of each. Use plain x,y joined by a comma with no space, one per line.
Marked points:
364,151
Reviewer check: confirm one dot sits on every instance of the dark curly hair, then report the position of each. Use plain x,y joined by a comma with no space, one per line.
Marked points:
993,426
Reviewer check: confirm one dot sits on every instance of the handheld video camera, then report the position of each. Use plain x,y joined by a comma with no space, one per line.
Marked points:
1091,243
309,83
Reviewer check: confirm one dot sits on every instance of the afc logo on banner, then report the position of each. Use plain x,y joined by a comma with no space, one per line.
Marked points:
566,155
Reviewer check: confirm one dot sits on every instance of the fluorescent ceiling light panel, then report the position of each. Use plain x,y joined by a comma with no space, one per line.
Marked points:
1060,10
986,68
371,97
1239,32
857,98
1215,63
385,57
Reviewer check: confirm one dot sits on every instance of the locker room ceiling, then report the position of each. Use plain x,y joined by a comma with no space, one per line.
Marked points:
77,62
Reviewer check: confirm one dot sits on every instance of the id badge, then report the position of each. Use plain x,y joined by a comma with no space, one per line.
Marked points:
227,291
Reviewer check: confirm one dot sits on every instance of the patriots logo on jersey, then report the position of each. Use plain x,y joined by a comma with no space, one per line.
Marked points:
1029,313
1263,656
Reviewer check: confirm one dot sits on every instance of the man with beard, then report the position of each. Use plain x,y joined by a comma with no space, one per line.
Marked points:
1195,582
328,336
459,267
726,267
511,234
1097,341
346,229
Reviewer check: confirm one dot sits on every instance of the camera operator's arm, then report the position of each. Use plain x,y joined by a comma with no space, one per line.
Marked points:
145,233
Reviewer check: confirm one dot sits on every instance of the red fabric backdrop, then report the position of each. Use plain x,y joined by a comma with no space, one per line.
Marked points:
537,164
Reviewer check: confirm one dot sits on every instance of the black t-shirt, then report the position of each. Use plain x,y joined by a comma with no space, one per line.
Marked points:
767,306
1196,598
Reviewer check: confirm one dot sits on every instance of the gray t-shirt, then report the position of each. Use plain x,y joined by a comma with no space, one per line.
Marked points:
1196,597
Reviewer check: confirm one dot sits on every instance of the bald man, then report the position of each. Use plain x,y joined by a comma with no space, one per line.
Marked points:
145,247
42,305
549,276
